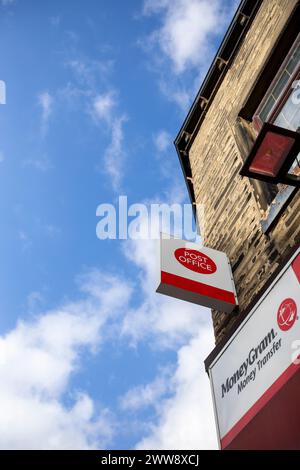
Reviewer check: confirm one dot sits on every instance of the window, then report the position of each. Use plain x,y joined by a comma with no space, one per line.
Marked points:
281,106
278,105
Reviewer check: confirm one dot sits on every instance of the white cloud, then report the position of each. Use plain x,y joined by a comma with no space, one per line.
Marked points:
150,394
186,420
176,92
168,322
186,28
104,109
45,100
182,44
49,349
181,398
162,141
71,94
89,73
103,106
38,359
114,154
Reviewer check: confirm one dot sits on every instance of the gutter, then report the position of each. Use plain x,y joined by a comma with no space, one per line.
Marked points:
230,45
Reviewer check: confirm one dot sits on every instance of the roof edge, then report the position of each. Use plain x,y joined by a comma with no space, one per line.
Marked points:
231,43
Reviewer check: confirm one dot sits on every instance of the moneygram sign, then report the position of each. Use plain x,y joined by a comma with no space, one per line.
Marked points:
196,274
257,360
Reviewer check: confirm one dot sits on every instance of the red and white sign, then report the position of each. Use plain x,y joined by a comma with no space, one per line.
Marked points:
195,260
287,314
196,274
259,359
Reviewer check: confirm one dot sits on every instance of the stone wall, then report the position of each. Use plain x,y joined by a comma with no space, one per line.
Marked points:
233,212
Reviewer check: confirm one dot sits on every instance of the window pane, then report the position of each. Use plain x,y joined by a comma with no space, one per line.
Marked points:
295,121
294,62
267,108
295,168
280,84
289,116
281,121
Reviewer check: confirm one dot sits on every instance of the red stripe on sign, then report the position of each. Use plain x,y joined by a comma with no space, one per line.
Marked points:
296,266
261,402
197,287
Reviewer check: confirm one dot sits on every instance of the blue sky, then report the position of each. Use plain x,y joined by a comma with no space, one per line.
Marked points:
91,357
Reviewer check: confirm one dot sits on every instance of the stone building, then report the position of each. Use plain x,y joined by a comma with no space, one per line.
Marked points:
239,149
250,82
